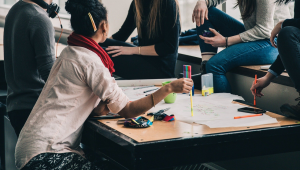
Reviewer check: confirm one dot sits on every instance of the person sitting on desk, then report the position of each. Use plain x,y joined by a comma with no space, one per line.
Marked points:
288,44
246,44
28,57
158,25
79,81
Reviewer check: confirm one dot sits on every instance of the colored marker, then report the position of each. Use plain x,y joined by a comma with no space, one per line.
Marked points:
150,90
239,117
189,68
255,81
142,87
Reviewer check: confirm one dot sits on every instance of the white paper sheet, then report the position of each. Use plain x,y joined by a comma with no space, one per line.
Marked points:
245,122
144,82
216,110
137,94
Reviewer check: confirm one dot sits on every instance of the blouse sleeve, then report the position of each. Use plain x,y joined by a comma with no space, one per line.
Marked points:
105,87
170,30
264,22
128,26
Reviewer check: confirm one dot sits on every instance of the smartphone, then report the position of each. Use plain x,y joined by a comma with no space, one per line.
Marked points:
251,110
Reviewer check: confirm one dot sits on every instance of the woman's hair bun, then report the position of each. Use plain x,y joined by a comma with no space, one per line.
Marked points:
80,7
80,20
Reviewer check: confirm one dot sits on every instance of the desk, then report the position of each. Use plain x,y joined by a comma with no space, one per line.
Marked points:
143,149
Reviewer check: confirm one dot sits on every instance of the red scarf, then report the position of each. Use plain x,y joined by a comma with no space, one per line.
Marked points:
86,42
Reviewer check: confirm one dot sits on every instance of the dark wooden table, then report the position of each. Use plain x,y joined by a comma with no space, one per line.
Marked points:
131,154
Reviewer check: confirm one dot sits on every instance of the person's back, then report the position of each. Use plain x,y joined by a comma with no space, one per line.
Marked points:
28,58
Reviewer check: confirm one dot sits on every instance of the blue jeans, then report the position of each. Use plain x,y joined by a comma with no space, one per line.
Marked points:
258,52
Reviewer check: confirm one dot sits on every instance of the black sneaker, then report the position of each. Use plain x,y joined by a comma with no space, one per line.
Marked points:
292,111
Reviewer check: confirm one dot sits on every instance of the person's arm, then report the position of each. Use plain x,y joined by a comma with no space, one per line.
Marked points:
264,21
105,87
200,12
291,22
138,107
122,50
219,41
261,84
277,67
128,26
41,33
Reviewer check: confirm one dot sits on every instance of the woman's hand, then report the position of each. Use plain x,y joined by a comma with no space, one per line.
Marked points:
275,32
261,84
183,85
217,41
120,50
200,13
101,109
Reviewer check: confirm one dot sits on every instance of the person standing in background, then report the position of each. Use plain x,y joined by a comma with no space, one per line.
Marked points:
246,43
28,58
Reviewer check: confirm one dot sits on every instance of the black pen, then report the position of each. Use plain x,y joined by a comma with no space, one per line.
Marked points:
150,90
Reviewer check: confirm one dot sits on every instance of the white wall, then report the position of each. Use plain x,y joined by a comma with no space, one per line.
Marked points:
117,12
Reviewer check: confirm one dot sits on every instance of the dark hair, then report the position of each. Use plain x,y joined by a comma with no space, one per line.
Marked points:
80,20
284,1
248,7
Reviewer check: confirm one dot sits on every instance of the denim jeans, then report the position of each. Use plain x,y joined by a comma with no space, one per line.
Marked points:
258,52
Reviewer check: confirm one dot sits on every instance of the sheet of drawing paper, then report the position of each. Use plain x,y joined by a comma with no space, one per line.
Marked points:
244,122
216,107
144,82
137,94
216,110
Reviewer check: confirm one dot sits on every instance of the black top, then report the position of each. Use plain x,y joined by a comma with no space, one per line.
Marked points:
167,41
277,66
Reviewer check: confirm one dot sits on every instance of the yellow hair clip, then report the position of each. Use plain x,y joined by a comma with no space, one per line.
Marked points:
92,21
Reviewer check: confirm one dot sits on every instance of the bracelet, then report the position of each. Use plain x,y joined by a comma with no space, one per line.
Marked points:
226,38
153,100
139,50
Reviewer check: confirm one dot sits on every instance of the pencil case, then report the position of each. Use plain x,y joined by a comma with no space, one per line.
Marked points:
139,122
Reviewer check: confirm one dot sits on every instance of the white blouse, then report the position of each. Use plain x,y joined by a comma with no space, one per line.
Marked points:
76,84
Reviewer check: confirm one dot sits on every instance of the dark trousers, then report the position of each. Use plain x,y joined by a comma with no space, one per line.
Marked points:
289,50
134,66
18,118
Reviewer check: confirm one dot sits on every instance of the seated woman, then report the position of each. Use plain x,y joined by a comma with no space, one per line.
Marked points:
288,44
246,44
158,25
79,80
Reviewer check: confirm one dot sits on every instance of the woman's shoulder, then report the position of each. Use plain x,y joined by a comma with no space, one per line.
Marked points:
80,56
